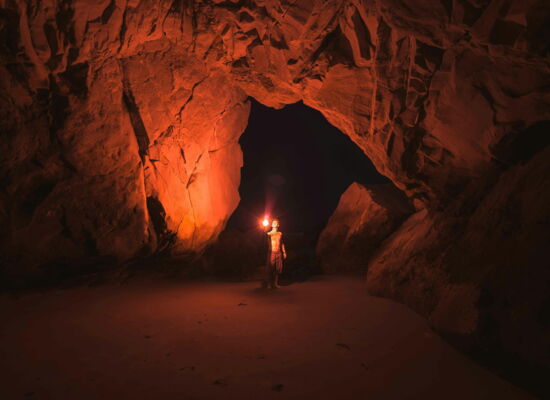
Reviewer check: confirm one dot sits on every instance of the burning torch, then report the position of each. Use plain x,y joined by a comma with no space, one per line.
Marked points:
265,223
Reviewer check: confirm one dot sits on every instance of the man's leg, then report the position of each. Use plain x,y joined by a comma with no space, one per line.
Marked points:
269,271
270,275
279,267
276,267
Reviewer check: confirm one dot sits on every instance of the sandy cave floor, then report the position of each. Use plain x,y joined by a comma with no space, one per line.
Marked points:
155,339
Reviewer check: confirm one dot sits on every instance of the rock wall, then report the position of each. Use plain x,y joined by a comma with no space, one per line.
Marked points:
364,217
117,142
479,269
120,119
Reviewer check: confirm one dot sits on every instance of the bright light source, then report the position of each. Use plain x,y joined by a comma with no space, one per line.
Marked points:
265,222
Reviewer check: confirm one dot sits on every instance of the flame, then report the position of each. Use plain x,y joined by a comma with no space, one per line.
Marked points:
265,222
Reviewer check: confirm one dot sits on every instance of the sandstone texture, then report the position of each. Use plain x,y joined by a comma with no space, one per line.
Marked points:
119,126
364,217
479,269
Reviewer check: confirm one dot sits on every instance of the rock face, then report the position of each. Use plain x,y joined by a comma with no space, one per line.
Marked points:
119,123
479,270
364,217
117,142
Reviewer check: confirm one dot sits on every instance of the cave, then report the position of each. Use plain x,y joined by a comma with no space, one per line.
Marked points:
296,167
124,161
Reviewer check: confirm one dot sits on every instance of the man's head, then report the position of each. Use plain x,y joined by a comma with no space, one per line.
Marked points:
275,224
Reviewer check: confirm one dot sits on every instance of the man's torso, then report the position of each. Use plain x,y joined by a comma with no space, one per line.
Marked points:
275,241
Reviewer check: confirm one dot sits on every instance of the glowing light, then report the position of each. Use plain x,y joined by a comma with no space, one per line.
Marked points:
265,222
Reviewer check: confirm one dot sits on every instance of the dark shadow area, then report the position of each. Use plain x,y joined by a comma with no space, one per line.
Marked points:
296,167
520,148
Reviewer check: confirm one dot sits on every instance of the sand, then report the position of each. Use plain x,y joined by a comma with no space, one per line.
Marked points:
158,339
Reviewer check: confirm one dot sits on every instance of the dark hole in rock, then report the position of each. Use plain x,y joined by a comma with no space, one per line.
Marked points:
505,32
157,214
76,76
521,147
296,168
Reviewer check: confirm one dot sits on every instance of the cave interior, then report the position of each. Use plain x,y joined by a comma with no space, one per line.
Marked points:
403,147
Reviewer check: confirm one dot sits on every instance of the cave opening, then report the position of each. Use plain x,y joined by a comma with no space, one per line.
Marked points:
296,165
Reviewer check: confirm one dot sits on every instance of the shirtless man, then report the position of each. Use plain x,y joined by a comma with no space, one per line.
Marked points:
275,255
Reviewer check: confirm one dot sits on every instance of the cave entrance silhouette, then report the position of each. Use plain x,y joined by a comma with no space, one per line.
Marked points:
296,165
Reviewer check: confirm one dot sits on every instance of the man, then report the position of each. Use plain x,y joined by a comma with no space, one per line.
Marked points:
275,255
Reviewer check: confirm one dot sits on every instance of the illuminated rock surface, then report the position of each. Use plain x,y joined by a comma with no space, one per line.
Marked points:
119,123
365,216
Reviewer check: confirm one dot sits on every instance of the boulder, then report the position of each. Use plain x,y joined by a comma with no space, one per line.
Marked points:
364,217
470,268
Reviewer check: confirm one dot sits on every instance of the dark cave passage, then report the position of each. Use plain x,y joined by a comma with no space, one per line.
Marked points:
296,167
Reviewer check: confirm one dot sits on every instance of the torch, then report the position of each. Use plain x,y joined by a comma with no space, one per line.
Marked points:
265,223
